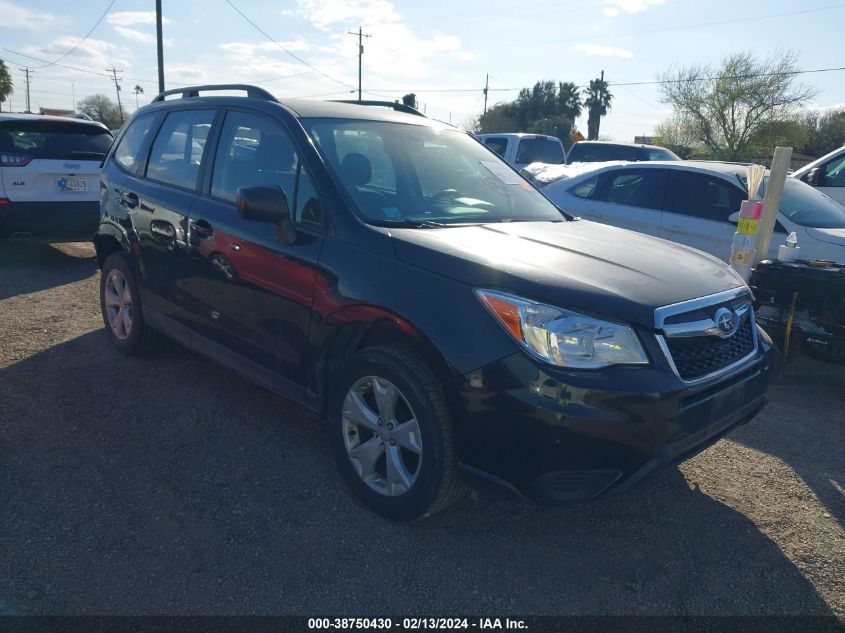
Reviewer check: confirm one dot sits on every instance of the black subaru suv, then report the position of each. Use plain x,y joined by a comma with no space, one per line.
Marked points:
394,275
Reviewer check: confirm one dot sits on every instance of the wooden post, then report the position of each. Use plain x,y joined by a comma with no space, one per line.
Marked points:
771,202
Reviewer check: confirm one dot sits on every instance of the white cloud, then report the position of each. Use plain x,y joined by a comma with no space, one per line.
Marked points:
22,18
95,53
248,49
135,35
603,51
322,13
128,18
186,72
614,7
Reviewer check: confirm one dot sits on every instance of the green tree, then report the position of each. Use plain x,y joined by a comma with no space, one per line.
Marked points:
825,131
100,108
6,84
547,107
678,135
138,90
597,102
730,105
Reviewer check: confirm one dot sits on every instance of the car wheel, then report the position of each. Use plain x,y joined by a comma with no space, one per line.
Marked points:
392,435
121,307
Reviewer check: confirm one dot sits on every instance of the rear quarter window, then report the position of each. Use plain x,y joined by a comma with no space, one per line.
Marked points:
55,140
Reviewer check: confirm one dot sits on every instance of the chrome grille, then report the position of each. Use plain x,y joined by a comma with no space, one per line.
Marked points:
695,339
699,356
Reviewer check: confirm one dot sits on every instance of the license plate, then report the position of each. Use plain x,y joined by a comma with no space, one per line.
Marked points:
72,183
728,402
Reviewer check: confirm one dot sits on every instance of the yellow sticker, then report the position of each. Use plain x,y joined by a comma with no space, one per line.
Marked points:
747,226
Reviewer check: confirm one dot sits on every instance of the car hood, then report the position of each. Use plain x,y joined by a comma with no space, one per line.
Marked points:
582,265
831,236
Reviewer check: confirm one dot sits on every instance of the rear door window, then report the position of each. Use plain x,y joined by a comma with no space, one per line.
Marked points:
128,151
703,196
497,144
539,150
833,174
633,187
55,140
179,147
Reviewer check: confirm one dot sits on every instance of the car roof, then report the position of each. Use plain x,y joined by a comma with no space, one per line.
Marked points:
621,144
517,135
10,116
727,170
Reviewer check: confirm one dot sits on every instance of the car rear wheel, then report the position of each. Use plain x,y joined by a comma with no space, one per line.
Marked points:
392,435
121,307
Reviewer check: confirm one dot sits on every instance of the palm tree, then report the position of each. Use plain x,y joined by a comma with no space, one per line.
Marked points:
138,91
569,99
6,85
597,104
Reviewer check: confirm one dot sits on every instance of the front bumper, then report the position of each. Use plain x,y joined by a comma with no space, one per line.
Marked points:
560,436
74,220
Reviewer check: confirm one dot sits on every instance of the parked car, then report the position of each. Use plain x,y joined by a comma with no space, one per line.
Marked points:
449,321
49,176
520,149
601,151
827,174
697,204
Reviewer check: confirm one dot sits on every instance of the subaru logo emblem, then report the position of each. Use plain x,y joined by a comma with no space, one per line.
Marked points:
726,322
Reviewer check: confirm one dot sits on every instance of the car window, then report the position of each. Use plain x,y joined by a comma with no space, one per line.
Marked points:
598,152
585,189
657,153
807,206
253,150
539,150
127,151
308,209
633,187
54,140
834,173
703,196
370,145
498,145
179,147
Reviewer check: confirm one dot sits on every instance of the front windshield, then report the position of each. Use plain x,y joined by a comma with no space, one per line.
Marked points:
807,206
422,175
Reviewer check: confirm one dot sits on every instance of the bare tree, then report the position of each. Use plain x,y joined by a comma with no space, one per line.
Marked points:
101,108
728,105
678,134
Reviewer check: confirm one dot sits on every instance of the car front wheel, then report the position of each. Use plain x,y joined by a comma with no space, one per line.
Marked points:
392,435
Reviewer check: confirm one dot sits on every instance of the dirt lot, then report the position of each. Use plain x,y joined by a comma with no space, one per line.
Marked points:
168,485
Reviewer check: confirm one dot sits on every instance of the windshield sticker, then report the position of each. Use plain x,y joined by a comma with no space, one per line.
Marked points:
502,172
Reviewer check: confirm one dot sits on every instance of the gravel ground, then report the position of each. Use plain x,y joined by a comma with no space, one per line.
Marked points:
169,485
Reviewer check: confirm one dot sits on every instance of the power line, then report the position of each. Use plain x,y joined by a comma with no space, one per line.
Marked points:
718,77
87,35
294,55
28,73
360,35
114,72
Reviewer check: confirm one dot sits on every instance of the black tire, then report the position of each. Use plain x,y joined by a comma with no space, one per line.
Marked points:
437,484
140,338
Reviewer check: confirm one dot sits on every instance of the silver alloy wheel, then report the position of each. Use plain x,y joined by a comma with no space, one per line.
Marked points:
382,436
118,302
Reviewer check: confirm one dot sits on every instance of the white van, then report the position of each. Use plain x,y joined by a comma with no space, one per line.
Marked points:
827,174
521,149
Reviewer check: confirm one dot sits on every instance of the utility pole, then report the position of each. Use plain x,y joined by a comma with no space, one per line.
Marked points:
73,92
114,72
28,73
486,88
159,47
360,35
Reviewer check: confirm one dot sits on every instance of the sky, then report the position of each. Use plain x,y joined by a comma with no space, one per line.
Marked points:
442,50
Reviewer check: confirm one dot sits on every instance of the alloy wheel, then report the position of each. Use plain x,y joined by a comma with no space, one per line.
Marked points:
118,302
382,436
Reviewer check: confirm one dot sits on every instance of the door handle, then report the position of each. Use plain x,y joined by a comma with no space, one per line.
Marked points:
163,229
202,228
128,199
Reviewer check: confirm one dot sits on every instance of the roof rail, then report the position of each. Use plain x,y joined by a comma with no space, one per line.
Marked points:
253,92
399,107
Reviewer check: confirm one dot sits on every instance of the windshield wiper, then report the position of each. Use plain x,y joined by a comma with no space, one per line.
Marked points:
81,154
409,223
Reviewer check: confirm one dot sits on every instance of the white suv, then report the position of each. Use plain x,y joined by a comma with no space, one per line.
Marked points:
827,174
50,176
520,149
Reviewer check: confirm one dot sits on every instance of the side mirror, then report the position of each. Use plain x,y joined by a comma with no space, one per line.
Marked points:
814,177
266,204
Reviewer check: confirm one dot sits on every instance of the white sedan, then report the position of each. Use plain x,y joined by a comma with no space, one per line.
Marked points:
697,203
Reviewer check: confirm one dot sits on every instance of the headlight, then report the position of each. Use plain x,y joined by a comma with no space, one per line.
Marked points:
562,337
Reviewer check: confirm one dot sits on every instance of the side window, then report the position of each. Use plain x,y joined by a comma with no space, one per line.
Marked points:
633,187
498,145
834,173
127,151
179,147
585,189
702,196
307,207
253,150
